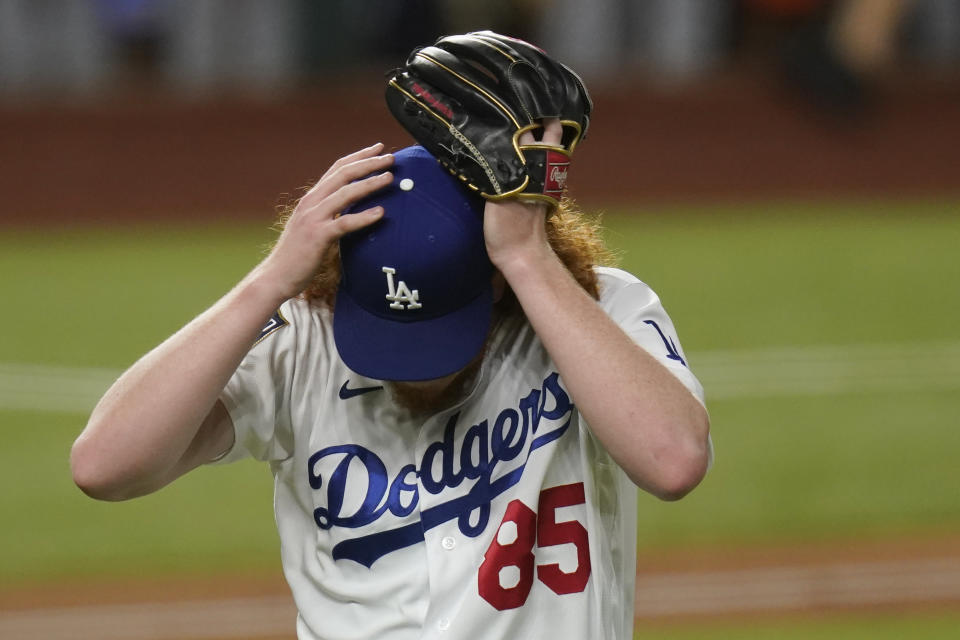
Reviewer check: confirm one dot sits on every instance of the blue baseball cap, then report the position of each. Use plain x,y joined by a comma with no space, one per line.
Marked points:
415,295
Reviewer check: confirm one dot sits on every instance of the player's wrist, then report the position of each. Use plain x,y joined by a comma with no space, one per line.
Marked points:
524,263
269,287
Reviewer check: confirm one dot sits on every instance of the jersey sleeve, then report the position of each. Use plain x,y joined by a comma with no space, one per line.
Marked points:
257,395
637,309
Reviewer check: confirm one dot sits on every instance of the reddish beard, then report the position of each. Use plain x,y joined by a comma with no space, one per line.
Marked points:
435,395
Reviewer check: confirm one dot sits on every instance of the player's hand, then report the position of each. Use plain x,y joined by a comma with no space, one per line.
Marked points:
316,222
515,230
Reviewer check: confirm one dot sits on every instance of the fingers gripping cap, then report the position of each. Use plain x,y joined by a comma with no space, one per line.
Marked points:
415,296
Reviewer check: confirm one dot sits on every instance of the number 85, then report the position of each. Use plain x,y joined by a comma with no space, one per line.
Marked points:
541,531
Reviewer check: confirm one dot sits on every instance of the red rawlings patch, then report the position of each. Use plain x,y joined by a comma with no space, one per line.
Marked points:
555,180
432,101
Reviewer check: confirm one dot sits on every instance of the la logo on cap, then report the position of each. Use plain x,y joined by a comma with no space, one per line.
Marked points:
400,294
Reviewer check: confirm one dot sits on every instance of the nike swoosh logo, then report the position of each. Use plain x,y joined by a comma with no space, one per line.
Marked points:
346,392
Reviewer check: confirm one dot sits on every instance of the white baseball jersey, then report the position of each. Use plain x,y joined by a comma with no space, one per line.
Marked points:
500,517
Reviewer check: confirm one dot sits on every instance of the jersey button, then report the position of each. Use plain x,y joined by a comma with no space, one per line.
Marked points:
443,624
448,543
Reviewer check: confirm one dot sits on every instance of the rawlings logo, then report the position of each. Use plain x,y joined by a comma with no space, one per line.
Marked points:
557,167
558,175
481,458
432,101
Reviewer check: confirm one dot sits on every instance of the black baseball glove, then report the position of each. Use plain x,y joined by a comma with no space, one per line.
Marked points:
469,98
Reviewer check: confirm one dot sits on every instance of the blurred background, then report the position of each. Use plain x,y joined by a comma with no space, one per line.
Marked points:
785,173
117,107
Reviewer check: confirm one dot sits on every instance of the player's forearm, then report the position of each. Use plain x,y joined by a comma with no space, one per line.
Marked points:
150,419
650,423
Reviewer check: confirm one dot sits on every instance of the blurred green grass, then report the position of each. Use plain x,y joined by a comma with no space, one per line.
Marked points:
792,274
217,520
857,464
811,467
103,297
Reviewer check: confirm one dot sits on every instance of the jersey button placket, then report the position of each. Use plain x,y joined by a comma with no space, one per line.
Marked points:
437,539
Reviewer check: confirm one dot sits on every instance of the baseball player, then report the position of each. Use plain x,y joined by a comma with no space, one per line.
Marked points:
456,402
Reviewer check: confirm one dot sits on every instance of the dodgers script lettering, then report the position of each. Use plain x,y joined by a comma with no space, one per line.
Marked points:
540,417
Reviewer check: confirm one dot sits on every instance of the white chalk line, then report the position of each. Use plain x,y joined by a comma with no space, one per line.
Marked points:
729,373
828,370
658,595
54,389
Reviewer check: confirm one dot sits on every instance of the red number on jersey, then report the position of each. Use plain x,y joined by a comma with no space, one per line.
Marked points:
517,552
550,532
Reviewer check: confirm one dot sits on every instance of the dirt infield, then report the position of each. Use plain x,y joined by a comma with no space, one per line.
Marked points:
916,574
145,157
